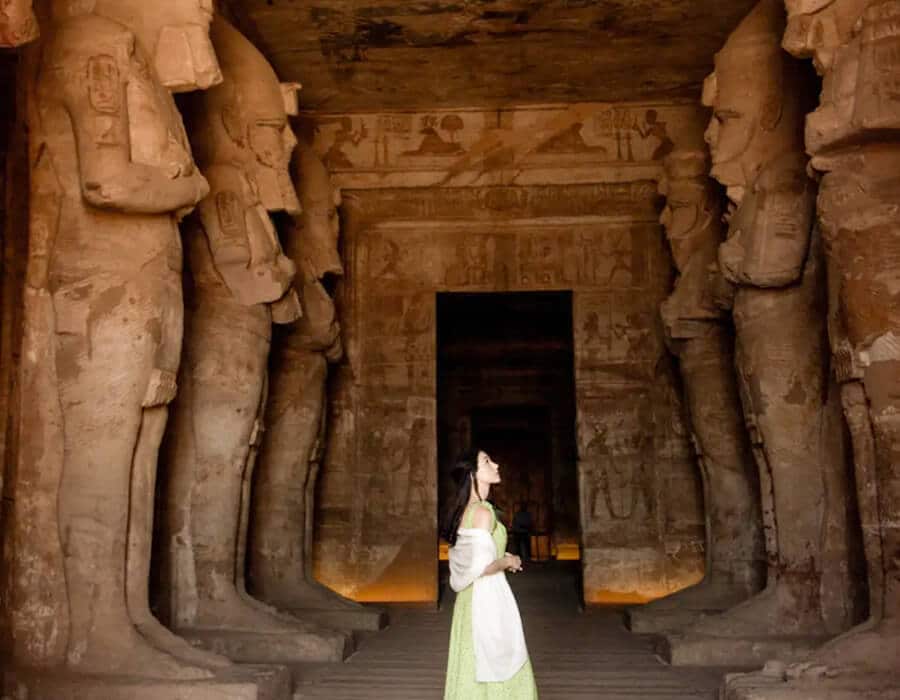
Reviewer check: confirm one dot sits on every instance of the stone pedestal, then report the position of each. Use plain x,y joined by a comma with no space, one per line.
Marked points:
360,618
273,648
237,683
684,608
757,686
744,651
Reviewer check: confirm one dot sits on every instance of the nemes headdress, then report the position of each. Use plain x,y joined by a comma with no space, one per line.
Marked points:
752,57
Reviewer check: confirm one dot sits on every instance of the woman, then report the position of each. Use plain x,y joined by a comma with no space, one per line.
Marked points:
488,658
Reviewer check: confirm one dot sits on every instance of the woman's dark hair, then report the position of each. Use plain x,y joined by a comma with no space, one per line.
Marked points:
464,475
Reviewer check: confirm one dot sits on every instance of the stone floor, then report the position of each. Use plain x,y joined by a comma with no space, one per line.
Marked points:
575,654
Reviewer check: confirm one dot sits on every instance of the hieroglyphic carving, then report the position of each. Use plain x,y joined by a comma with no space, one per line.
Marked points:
615,459
435,244
428,148
635,200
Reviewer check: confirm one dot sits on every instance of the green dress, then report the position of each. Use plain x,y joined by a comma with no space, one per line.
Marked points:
461,683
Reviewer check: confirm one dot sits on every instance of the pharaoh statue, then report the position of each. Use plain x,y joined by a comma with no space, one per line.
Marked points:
698,334
18,25
773,258
852,138
111,174
280,552
239,284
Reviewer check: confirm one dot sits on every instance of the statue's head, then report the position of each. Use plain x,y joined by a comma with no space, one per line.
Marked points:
817,28
18,25
692,205
320,223
756,94
245,118
175,33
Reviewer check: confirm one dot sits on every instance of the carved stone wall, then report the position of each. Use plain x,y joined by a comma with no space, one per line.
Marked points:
552,199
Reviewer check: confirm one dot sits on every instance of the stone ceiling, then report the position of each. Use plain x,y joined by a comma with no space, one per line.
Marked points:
354,55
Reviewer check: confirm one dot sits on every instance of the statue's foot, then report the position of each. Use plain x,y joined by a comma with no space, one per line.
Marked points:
869,648
300,595
124,652
706,595
232,611
263,607
774,612
162,638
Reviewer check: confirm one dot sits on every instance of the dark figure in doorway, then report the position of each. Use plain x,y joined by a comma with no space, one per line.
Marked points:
522,525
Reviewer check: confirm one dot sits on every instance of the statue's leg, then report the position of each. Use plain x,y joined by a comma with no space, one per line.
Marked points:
294,410
104,368
784,380
863,266
730,476
227,362
140,533
247,488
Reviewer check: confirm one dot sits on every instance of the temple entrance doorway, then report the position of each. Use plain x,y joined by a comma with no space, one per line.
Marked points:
506,384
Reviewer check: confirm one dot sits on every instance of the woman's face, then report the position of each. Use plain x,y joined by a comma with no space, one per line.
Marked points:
488,470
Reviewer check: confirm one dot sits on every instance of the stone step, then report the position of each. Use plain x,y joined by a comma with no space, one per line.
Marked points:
575,654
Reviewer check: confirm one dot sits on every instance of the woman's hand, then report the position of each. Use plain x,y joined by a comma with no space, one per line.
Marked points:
508,562
512,562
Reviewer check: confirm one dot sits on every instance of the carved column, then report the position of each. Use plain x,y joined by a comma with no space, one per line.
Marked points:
852,138
294,440
240,282
111,173
774,259
703,341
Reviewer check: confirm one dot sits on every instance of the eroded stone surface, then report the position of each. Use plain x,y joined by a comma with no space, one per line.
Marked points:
18,23
111,172
356,55
698,333
775,261
850,138
283,505
240,282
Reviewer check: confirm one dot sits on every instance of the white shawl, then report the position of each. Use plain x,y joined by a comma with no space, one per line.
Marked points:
496,626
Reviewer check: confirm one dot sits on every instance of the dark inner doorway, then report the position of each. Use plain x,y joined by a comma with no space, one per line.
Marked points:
506,384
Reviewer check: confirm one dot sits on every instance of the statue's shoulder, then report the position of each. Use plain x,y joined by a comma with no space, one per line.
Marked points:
89,49
92,33
786,173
